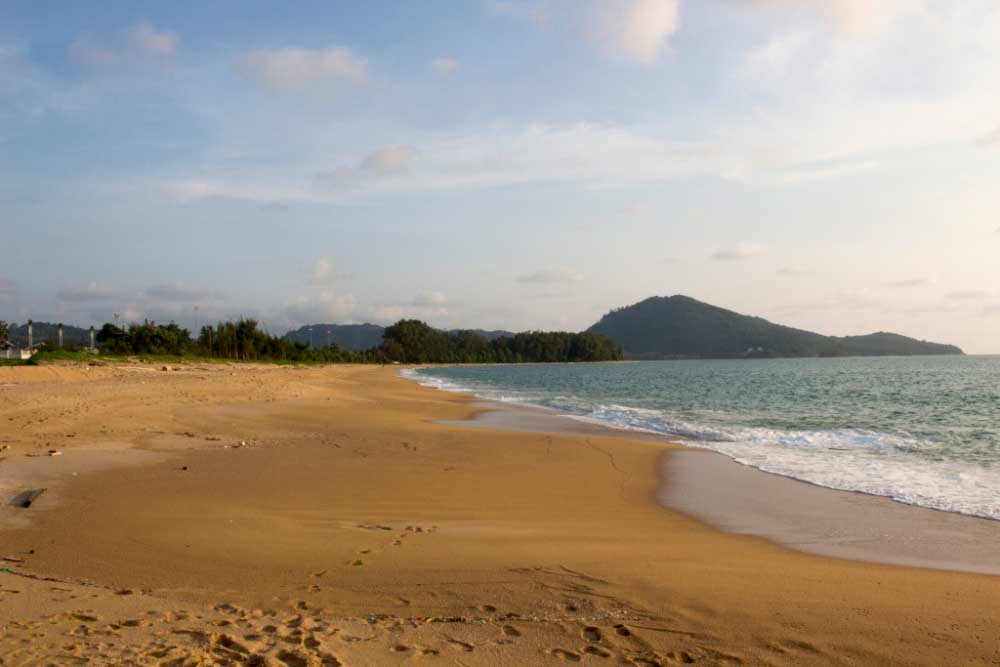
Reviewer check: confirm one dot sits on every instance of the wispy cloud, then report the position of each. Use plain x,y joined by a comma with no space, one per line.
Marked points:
990,139
177,293
638,30
589,155
430,299
861,299
153,41
967,295
851,17
740,251
321,272
444,65
910,282
526,11
390,159
88,293
556,275
142,40
298,69
87,51
326,307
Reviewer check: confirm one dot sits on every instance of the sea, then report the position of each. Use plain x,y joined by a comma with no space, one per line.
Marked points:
920,430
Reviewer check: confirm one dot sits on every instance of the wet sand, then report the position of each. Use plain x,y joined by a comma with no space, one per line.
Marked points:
352,528
741,499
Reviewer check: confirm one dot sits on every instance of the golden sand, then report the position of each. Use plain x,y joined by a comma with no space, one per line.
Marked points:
319,516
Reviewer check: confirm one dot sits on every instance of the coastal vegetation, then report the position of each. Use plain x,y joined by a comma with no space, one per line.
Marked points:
414,342
407,341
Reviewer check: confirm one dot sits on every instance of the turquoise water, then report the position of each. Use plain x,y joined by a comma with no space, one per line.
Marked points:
921,430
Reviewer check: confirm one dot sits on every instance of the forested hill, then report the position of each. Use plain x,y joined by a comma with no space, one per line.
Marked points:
353,337
681,327
360,337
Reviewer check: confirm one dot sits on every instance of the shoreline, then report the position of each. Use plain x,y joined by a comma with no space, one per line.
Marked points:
355,528
740,499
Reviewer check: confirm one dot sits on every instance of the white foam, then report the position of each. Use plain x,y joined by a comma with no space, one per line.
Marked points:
850,460
865,461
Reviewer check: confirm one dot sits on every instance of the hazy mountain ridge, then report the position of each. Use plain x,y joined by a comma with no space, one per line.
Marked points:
681,327
360,337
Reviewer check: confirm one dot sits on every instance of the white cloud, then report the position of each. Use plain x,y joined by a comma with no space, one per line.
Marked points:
535,13
638,30
296,69
321,272
990,139
860,299
327,308
430,299
967,295
444,65
586,154
742,250
911,282
550,277
88,293
390,159
152,41
851,17
140,40
177,293
769,63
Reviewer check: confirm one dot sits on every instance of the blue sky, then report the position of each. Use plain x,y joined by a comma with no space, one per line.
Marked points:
503,164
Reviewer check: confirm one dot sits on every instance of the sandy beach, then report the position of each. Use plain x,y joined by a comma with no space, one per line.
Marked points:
293,516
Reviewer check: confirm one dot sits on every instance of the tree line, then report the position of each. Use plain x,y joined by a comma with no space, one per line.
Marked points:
407,341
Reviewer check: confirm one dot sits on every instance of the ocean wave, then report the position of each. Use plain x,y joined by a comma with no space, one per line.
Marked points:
897,466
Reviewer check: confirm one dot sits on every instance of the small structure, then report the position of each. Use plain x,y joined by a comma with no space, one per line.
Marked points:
10,351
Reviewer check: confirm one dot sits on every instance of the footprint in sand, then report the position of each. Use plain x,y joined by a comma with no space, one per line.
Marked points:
563,654
596,650
460,645
511,631
682,657
622,631
292,659
592,634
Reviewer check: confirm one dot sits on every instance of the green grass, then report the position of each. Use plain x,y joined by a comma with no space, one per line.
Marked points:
62,356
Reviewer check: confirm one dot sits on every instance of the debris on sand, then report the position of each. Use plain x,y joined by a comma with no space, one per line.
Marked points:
25,499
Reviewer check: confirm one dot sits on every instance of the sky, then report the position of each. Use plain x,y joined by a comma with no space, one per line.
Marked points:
517,164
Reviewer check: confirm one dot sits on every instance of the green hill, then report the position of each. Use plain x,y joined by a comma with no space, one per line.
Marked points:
353,337
681,327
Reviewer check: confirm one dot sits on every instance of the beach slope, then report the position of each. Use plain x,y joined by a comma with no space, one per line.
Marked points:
295,516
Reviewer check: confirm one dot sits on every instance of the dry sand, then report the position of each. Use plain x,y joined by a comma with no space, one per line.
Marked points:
353,529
